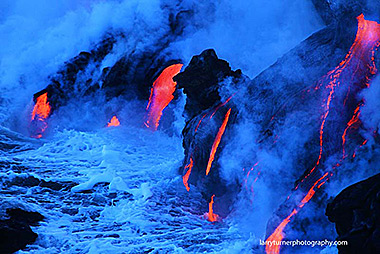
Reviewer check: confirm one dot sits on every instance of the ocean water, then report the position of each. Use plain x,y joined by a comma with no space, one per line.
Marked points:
123,194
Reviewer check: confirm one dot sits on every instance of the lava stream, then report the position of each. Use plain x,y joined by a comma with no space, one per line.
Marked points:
199,123
354,119
217,141
161,95
361,53
185,178
221,105
211,216
40,113
114,122
278,235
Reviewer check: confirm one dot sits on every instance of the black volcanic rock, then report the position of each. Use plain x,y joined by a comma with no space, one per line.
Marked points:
205,112
200,81
62,85
15,236
132,76
15,232
31,181
324,10
21,216
356,214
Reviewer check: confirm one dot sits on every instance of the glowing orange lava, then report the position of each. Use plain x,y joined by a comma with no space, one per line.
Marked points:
199,123
40,113
278,235
221,105
217,141
211,215
353,120
161,95
42,107
114,122
185,178
245,181
360,55
361,52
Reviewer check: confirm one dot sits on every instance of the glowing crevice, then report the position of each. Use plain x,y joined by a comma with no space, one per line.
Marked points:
185,178
217,141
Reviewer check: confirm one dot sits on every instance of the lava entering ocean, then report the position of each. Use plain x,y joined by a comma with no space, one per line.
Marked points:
114,122
40,113
211,216
185,178
161,95
359,60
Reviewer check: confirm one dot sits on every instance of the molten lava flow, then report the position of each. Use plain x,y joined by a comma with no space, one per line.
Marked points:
359,58
199,123
211,215
40,113
248,174
185,178
217,141
362,52
278,235
213,113
363,144
114,122
221,105
354,119
42,107
161,95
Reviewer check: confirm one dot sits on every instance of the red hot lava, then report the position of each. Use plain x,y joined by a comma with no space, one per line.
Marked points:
278,235
350,124
211,216
114,122
221,105
217,141
360,55
161,95
199,123
40,113
185,178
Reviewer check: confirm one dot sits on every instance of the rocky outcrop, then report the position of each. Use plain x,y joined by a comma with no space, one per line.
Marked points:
205,111
15,231
63,85
201,81
356,214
